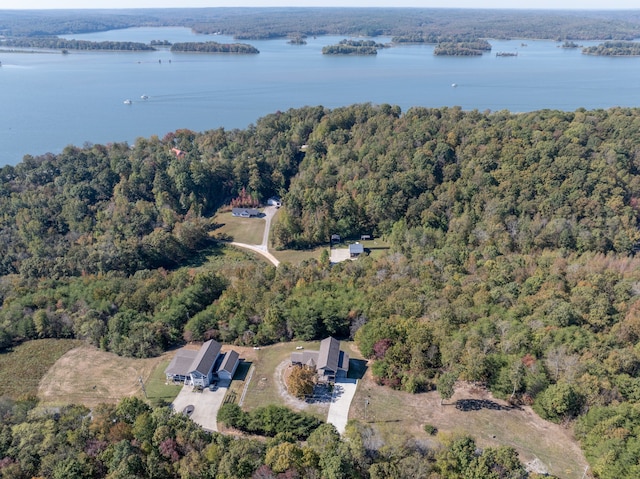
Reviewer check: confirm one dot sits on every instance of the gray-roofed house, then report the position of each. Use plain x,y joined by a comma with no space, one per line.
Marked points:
355,250
245,212
229,365
330,362
202,367
180,365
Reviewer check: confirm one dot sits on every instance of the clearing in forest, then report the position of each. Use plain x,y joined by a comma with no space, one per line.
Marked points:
86,375
542,445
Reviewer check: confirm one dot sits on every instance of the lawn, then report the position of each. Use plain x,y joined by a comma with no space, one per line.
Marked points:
22,368
241,230
158,390
295,256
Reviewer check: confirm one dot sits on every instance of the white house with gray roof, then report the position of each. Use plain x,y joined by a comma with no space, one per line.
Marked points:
202,367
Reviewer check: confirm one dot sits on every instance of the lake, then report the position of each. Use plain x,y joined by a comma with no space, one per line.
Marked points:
50,100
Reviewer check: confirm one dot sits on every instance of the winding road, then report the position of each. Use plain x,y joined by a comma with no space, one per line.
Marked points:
263,248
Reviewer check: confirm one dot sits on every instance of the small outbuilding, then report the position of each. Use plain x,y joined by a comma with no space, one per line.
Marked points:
274,201
355,250
229,365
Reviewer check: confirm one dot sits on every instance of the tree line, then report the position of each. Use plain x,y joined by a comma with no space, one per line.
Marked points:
62,44
133,440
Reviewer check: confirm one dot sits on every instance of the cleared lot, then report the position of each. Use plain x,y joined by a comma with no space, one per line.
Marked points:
205,404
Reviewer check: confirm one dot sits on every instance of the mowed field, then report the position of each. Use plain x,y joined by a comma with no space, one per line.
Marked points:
241,230
87,375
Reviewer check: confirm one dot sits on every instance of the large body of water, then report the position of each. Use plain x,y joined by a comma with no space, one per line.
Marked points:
50,100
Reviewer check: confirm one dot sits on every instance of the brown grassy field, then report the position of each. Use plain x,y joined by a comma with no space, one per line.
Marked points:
89,376
22,368
473,411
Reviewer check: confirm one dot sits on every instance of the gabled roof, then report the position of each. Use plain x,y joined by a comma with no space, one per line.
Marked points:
181,363
206,357
329,355
356,248
245,211
229,361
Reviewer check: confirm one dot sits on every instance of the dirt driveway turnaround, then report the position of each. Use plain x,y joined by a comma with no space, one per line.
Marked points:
343,392
205,404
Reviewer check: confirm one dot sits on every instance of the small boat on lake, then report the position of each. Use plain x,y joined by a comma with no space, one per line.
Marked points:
144,97
127,102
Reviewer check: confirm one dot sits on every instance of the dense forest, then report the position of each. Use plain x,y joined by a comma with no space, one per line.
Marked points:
511,264
408,23
214,47
614,49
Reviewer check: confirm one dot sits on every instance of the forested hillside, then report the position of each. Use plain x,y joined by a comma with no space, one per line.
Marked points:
512,251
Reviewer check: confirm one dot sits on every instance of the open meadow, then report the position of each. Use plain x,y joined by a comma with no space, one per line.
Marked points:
544,446
86,375
23,367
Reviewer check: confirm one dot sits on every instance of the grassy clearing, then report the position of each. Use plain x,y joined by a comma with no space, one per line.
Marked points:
89,376
294,256
396,413
157,388
242,230
22,368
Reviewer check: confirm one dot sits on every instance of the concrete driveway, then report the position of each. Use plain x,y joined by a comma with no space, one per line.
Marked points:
343,392
205,404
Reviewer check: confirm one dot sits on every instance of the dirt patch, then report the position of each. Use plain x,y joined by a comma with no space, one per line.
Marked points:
89,376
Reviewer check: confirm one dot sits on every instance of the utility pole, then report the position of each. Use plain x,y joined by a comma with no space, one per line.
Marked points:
144,391
366,403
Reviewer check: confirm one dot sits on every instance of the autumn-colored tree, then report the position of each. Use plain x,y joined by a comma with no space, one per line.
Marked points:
301,381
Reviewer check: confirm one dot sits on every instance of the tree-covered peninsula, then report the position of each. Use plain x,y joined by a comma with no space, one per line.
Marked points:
511,264
614,49
54,43
213,47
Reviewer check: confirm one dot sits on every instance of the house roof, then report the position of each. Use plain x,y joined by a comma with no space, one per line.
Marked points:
309,358
181,363
205,358
248,211
343,361
329,355
229,361
356,248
